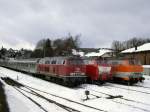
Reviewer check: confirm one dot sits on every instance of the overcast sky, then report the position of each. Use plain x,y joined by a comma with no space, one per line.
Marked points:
24,22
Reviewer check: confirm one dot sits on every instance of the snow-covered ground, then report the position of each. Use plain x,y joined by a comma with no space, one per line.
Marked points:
135,98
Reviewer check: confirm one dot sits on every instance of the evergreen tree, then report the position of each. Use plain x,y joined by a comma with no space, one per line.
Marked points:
60,47
3,51
37,53
48,51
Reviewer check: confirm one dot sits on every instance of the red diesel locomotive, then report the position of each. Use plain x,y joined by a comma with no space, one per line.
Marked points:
98,70
66,70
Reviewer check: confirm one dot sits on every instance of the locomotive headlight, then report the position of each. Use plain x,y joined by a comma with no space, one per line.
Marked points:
77,74
82,73
72,74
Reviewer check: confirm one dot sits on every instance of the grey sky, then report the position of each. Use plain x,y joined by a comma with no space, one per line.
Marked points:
24,22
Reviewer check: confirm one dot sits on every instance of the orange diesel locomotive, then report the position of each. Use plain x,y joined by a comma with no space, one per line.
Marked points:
126,70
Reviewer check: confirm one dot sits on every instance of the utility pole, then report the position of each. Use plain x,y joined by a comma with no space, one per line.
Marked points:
44,48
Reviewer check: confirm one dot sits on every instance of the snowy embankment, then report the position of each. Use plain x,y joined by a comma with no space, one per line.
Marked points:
109,97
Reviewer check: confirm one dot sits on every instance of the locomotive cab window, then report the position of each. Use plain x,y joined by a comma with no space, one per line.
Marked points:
134,62
102,62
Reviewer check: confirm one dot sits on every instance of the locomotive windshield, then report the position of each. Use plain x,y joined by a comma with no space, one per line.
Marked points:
134,62
102,62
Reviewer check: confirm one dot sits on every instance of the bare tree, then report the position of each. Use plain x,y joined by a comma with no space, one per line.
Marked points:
117,46
133,42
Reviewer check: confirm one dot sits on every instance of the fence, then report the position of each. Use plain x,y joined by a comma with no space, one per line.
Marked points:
146,70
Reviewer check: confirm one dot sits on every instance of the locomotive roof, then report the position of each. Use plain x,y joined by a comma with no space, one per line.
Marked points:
57,60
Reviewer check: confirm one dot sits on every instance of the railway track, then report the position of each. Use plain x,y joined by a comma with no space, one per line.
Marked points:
122,98
129,89
17,87
35,91
51,101
142,86
32,89
32,100
136,85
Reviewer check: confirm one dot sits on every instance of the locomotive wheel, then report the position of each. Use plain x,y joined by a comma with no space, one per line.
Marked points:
130,82
67,83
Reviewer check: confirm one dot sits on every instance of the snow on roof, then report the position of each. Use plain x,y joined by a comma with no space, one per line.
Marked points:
81,53
100,53
144,47
75,52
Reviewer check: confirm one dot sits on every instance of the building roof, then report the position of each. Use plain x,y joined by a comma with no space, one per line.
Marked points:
144,47
100,53
75,52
